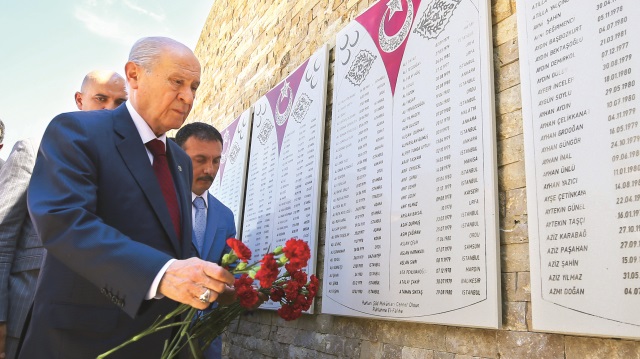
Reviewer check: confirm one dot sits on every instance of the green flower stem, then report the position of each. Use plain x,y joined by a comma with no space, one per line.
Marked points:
177,342
195,351
157,326
215,323
202,331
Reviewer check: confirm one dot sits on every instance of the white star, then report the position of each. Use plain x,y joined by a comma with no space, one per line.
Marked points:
394,5
285,90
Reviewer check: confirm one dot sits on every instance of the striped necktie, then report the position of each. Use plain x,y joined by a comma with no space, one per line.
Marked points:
200,223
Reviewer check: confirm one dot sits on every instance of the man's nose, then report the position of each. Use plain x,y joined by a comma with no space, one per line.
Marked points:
187,96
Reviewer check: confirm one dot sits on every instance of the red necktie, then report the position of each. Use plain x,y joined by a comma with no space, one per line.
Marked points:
161,169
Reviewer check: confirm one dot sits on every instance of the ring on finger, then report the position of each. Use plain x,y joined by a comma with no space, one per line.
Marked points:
204,298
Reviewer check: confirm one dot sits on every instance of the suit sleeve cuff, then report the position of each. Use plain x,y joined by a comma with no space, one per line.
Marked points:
153,291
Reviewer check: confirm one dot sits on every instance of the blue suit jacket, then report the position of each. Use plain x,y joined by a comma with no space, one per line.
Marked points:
99,210
220,226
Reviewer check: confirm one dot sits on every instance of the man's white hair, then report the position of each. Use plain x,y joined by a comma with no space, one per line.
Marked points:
146,51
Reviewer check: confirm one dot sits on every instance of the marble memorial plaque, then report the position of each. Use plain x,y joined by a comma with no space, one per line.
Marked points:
411,222
579,72
283,188
229,185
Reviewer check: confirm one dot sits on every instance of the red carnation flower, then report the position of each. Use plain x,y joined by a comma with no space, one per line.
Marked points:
268,272
288,312
307,303
312,287
240,249
299,276
300,301
277,294
291,289
298,253
247,295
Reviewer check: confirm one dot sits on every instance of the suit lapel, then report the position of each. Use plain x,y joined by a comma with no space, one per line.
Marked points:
134,155
214,248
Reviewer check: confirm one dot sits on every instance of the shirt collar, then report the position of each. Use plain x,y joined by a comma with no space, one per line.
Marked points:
204,196
146,133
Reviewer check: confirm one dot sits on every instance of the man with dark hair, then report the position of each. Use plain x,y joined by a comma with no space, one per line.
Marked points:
110,199
200,131
212,221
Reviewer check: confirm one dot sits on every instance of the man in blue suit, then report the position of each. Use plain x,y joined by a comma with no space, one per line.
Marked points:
212,221
110,199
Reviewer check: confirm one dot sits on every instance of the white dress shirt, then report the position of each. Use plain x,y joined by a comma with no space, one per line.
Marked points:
146,133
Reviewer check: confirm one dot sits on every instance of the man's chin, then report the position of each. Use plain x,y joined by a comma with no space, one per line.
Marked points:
204,185
200,192
175,122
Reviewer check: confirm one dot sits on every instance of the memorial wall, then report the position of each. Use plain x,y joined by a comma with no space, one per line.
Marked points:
283,183
580,84
411,209
230,183
381,148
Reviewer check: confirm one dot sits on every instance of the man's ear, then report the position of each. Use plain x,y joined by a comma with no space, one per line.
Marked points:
132,73
78,97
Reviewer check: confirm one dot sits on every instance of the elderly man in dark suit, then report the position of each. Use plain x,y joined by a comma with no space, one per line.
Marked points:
111,201
21,251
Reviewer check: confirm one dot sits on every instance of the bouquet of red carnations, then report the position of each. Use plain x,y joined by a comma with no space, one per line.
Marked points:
289,287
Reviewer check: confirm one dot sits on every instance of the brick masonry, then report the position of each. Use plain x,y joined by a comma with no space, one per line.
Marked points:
246,48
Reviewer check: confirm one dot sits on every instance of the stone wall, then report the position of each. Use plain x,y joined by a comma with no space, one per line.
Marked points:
246,48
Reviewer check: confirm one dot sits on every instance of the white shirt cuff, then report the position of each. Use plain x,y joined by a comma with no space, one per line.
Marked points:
153,291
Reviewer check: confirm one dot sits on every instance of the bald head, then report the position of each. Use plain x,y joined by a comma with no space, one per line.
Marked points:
101,90
163,76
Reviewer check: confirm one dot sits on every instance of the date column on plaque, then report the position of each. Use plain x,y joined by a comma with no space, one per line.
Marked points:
620,96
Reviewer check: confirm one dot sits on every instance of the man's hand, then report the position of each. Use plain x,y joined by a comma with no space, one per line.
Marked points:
3,335
186,280
227,297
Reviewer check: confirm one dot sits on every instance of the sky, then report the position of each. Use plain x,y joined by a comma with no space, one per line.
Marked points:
47,47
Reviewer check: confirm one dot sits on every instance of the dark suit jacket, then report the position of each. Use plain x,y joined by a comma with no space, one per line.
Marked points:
100,213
